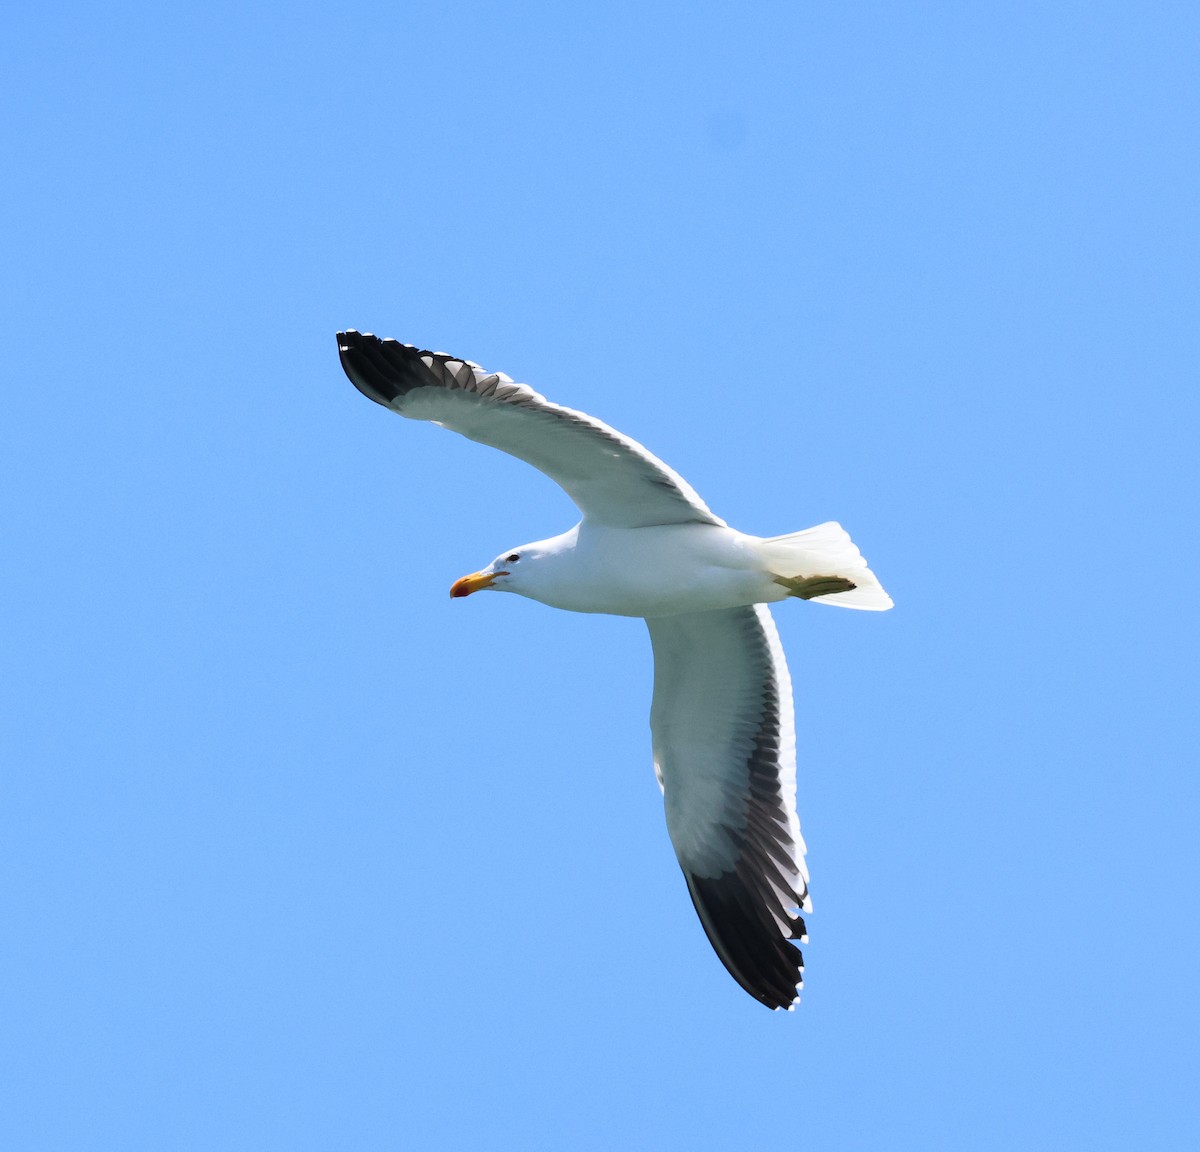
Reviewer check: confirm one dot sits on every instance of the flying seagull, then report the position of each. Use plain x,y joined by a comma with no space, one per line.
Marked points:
721,721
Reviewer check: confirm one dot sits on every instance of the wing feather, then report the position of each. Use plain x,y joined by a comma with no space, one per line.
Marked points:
725,754
612,479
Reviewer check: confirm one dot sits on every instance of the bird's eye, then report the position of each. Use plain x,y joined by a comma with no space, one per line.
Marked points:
513,558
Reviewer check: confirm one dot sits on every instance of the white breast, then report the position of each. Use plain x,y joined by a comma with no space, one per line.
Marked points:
654,571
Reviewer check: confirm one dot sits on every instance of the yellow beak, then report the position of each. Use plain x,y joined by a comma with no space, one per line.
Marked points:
473,583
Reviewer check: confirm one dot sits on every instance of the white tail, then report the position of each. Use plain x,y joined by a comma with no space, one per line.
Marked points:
826,550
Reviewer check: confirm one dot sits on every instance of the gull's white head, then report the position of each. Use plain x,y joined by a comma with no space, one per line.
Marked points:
513,571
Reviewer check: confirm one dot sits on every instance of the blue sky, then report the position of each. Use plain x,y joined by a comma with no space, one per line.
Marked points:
299,854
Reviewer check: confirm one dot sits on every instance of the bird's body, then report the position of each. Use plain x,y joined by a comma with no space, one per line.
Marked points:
649,571
722,726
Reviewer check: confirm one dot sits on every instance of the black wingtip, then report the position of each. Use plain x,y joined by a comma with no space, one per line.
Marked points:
362,367
764,962
382,370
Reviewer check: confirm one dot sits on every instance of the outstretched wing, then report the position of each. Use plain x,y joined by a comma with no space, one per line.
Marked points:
725,754
613,480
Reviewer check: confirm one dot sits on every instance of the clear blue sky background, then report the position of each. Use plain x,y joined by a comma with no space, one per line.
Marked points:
298,854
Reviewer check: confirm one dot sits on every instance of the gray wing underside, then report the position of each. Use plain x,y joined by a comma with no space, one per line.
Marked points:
724,751
613,480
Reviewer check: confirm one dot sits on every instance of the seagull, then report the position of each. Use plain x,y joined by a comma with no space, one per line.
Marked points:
722,727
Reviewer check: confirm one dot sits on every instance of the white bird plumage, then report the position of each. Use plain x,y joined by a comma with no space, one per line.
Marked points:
647,545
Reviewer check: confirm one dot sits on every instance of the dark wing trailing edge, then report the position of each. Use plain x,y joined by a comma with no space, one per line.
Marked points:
612,479
724,751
